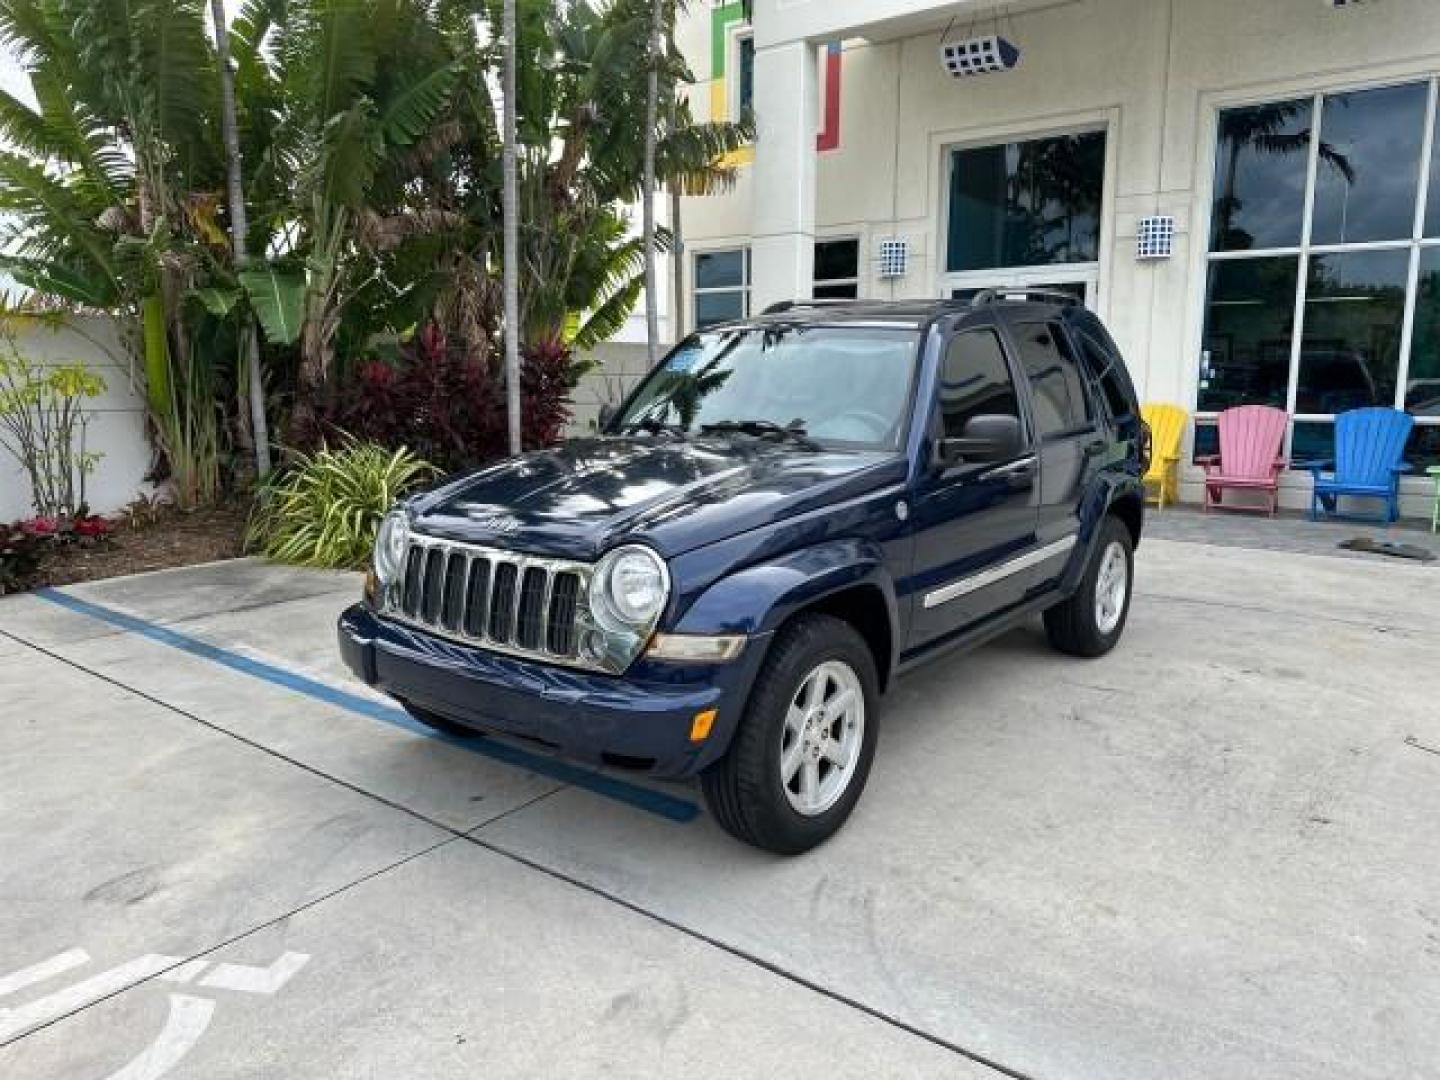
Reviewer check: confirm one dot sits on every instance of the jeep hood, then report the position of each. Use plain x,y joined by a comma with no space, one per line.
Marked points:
675,495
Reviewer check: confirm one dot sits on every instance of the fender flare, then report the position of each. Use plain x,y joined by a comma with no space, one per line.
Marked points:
1098,504
757,600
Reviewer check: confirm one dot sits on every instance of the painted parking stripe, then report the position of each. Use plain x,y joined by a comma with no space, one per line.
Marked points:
642,798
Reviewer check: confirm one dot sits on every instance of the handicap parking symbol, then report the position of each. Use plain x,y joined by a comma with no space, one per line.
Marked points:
190,1011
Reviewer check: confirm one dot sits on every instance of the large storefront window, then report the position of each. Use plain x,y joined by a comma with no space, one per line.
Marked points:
1022,209
1326,210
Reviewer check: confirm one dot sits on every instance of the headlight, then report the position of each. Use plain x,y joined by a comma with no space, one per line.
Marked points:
390,545
630,588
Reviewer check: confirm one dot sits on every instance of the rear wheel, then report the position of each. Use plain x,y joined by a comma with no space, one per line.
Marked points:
802,753
436,722
1090,623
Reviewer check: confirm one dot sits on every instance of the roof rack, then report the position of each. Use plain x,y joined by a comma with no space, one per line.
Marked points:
992,296
791,305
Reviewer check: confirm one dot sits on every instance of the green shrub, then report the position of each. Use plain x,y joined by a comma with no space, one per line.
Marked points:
324,511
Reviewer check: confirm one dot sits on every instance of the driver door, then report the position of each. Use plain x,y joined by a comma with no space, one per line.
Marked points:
973,513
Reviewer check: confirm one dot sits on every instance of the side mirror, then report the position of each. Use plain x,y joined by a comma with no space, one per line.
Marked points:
987,437
608,412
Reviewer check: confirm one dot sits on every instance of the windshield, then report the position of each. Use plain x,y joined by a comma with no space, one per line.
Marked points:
845,388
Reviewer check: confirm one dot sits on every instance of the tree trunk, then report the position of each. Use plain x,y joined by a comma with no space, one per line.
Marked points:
239,230
652,120
677,269
512,230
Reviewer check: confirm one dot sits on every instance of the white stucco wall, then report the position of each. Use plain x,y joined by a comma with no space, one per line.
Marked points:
1153,72
117,427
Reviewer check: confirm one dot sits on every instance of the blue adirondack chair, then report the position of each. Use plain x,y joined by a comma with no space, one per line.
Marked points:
1369,446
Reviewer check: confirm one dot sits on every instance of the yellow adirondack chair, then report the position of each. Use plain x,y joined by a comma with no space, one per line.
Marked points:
1167,430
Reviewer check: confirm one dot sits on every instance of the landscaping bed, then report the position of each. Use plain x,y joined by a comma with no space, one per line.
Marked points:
166,539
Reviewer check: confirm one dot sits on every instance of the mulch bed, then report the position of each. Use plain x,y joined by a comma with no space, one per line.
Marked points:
174,538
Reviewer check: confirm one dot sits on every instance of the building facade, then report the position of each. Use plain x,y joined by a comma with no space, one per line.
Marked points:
1248,192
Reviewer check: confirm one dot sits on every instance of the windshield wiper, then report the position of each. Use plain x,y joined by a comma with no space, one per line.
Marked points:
764,429
652,426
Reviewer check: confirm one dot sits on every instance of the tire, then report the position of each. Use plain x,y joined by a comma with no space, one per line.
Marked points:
1081,626
436,722
747,791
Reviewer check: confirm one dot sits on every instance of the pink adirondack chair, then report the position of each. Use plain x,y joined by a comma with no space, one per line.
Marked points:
1251,438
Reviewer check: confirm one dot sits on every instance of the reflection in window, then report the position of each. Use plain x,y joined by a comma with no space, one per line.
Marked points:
1368,148
846,388
1423,449
1422,386
1369,168
1250,316
1354,310
1034,203
976,382
1260,171
1056,392
722,286
1314,440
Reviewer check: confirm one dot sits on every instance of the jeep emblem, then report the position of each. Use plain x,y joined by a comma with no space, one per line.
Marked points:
500,524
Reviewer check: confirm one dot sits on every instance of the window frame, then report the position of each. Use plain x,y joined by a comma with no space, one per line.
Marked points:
1416,244
747,279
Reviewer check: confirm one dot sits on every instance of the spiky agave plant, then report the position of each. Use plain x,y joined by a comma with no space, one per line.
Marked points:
324,511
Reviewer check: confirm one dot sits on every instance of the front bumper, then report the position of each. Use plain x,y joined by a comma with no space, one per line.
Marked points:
640,721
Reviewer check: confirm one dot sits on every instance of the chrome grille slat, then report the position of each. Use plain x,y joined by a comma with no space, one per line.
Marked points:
520,605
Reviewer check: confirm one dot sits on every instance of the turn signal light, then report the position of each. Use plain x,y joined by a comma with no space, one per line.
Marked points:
700,728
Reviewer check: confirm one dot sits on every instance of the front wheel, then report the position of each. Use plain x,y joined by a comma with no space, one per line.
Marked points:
1090,623
803,750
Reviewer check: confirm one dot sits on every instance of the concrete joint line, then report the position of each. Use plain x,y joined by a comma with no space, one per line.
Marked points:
1416,744
472,836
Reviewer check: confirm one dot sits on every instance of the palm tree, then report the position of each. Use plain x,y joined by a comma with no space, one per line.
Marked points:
357,84
652,121
239,233
510,34
106,180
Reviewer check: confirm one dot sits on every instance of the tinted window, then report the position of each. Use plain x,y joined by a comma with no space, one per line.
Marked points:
837,269
747,73
1057,388
1107,371
1350,352
976,381
1026,204
1249,327
1260,171
1369,169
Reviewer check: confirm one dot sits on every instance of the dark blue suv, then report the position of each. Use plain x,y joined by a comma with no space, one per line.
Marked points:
788,513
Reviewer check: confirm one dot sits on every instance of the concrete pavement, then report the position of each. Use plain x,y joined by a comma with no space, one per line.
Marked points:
1210,854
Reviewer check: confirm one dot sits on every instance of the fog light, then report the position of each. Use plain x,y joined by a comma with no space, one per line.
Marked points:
700,728
697,648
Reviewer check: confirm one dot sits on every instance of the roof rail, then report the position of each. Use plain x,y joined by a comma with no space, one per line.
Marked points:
790,305
994,296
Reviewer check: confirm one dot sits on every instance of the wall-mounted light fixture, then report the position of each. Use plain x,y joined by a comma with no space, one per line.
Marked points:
978,56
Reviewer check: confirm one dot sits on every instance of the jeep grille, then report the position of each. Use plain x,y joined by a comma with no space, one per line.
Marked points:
521,605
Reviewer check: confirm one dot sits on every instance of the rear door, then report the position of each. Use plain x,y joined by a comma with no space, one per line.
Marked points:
1069,436
971,519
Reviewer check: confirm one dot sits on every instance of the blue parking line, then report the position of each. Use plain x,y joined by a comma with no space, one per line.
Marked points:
642,798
